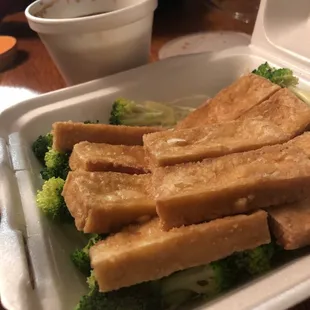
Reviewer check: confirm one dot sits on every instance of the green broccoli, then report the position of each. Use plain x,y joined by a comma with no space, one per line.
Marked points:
209,280
57,165
168,293
205,281
138,297
131,113
41,145
80,257
256,261
50,201
91,122
91,281
283,77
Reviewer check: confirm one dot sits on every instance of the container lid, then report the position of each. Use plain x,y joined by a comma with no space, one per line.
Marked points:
210,41
282,28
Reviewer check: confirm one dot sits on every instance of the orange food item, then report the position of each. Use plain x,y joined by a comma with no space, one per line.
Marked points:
7,51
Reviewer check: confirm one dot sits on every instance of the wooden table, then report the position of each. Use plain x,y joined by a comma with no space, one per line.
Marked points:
35,71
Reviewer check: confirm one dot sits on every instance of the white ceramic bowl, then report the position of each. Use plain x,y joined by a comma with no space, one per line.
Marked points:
86,48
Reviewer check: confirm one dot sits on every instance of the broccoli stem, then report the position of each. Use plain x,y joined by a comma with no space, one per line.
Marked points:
80,257
56,165
41,146
130,113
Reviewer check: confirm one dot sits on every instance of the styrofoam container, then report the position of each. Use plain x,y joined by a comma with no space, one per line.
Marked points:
91,47
35,269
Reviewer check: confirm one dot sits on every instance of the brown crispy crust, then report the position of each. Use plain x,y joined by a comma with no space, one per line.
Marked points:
146,253
291,224
67,134
232,184
285,110
104,202
302,141
106,157
231,102
173,147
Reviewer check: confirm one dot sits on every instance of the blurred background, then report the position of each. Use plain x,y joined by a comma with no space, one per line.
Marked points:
180,26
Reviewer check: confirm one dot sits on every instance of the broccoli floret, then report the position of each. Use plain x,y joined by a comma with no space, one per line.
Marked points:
139,297
283,77
91,122
41,146
57,165
209,280
131,113
81,261
91,281
256,261
168,293
80,257
50,201
205,281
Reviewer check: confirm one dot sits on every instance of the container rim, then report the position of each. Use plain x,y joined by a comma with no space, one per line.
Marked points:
29,12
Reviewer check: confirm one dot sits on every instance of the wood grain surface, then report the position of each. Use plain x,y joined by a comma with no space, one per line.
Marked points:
34,70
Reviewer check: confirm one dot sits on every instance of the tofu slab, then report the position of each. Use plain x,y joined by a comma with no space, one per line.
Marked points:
290,224
285,110
107,157
103,202
178,146
231,102
232,184
302,141
145,253
67,134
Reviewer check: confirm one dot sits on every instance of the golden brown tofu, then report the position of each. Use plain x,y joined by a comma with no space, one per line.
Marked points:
67,134
103,202
107,157
302,141
145,253
285,110
173,147
291,224
237,183
231,102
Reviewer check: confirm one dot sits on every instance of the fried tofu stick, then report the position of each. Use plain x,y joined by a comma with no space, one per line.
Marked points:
285,110
173,147
67,134
231,102
145,253
103,202
291,224
302,141
236,183
106,157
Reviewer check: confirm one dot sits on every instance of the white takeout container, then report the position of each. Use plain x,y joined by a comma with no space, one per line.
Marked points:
35,269
87,48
